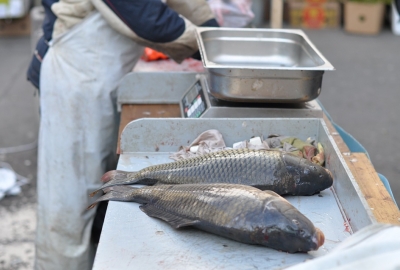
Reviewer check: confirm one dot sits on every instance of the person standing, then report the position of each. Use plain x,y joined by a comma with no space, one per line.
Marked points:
87,47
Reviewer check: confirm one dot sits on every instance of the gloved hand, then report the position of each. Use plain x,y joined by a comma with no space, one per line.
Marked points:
244,7
217,7
196,56
232,13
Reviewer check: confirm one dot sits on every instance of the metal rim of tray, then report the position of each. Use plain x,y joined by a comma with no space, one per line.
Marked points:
208,64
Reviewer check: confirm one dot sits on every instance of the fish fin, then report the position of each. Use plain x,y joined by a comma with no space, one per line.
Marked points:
94,193
115,175
158,184
117,193
270,192
113,178
120,189
174,220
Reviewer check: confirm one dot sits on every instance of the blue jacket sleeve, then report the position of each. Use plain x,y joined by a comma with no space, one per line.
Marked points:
149,19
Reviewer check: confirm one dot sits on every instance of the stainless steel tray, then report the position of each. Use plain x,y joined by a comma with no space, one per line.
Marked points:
261,65
132,239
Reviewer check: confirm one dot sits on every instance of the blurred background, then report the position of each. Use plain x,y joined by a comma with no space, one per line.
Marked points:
361,38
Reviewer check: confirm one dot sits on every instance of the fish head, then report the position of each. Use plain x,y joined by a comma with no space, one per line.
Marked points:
289,230
310,178
301,232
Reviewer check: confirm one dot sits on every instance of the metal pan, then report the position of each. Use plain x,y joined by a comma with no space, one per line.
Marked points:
261,65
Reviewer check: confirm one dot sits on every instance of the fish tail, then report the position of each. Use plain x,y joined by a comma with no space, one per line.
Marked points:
106,186
105,197
117,193
115,177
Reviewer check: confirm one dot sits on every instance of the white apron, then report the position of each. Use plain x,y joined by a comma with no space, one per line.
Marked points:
77,138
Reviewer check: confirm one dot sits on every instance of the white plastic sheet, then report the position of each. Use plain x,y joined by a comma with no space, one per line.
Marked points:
375,247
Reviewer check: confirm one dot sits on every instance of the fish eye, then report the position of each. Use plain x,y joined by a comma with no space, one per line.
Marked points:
301,232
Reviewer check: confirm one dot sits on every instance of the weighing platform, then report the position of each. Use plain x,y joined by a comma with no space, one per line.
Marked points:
191,92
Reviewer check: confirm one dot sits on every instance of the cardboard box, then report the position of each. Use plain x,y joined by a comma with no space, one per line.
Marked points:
315,14
15,27
12,9
363,18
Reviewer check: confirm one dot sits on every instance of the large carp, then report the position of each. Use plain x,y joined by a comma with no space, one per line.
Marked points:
242,213
273,170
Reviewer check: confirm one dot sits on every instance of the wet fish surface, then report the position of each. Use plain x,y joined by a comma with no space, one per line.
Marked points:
242,213
273,170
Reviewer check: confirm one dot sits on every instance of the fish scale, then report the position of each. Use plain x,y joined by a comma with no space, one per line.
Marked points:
266,169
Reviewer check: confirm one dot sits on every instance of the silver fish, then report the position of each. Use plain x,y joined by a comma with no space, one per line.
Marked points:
242,213
273,170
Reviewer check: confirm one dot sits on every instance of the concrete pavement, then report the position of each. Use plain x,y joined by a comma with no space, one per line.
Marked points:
19,121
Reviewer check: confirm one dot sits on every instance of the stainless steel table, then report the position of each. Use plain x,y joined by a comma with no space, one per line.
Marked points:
131,239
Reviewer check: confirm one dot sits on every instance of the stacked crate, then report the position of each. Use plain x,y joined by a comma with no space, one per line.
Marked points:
314,13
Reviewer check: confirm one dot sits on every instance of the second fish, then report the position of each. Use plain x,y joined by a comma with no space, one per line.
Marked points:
273,170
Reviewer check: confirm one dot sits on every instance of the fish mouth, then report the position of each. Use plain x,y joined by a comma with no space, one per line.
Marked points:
318,239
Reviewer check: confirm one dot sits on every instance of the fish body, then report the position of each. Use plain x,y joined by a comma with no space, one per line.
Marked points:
242,213
273,170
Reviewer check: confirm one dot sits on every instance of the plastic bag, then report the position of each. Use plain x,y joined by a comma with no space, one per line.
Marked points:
10,181
152,55
232,13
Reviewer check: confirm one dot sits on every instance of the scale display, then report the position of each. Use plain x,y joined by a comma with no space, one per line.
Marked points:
194,103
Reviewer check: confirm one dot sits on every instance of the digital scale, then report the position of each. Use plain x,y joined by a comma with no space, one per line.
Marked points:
191,91
197,102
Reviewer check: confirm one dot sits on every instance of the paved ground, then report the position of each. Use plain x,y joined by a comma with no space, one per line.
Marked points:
18,126
362,96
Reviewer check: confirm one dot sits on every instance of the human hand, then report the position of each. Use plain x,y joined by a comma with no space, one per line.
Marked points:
244,6
229,8
218,8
